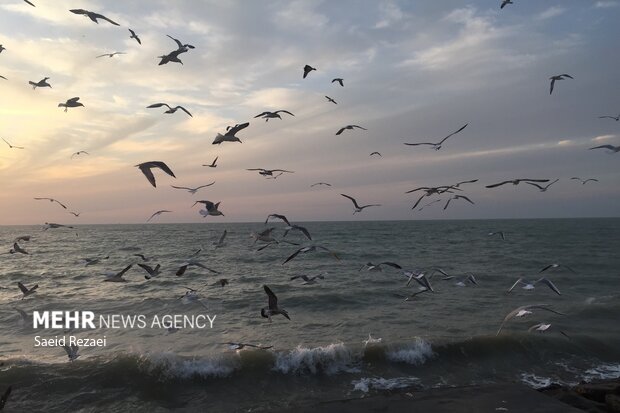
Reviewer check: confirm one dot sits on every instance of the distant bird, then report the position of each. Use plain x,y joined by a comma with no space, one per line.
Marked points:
51,200
194,263
289,226
51,225
531,285
145,167
118,277
78,153
331,100
542,188
504,3
500,233
309,280
71,103
557,77
349,127
269,172
523,311
161,211
377,267
357,207
616,118
7,392
17,249
220,242
170,109
375,153
229,136
553,266
614,149
27,291
241,346
272,308
192,190
152,272
461,280
458,197
211,208
75,214
271,115
320,183
516,182
40,83
72,351
308,69
437,146
109,54
12,146
134,36
93,16
339,80
371,340
310,248
212,164
584,181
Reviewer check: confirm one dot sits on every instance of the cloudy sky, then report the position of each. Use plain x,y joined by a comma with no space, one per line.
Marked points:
414,71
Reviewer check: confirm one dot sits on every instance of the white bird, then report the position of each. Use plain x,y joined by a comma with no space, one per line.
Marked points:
463,279
616,118
458,197
269,172
557,77
369,266
524,311
72,351
192,190
272,308
146,167
161,211
358,208
320,183
229,136
51,200
349,127
437,146
211,208
241,346
515,182
118,277
371,340
70,103
17,249
40,83
170,108
193,263
527,285
12,146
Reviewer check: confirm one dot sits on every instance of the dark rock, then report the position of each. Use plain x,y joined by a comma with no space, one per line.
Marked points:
598,391
613,403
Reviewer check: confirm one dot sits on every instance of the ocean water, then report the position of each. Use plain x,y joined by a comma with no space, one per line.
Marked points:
446,338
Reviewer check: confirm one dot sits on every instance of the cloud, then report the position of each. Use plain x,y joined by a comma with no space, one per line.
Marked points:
606,4
550,13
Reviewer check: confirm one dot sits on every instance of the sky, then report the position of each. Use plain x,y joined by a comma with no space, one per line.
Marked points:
414,71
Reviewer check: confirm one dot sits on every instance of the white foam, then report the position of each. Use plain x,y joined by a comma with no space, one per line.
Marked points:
170,365
604,371
415,353
330,359
379,383
534,381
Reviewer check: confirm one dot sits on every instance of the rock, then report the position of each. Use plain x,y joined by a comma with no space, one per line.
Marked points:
598,391
613,403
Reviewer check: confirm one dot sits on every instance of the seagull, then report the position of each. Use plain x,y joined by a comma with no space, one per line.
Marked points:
461,280
194,263
192,190
309,280
458,197
616,118
51,200
542,188
349,127
371,340
7,392
269,172
171,57
614,149
170,109
584,181
273,306
339,80
134,36
516,182
437,146
557,77
504,3
51,225
25,290
372,267
229,136
241,346
109,54
375,153
161,211
92,261
70,103
78,153
40,83
270,115
152,272
357,207
551,266
264,236
320,183
72,352
146,167
308,69
211,208
420,278
500,233
539,327
531,285
12,146
331,100
93,16
17,249
523,311
220,242
212,164
118,277
310,248
75,214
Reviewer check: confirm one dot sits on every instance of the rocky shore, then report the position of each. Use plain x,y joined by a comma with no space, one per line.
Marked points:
595,397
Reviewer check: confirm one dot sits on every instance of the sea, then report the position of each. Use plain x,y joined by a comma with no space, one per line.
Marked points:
351,334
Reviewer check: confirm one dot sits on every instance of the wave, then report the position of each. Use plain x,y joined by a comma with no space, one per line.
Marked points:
331,359
365,384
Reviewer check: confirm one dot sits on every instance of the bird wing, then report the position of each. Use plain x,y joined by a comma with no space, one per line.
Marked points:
596,147
59,203
146,268
158,105
78,11
536,185
262,114
124,270
273,300
184,110
101,16
204,186
391,264
352,200
293,255
102,55
181,270
146,170
181,187
222,237
214,161
520,280
232,131
73,100
359,127
418,201
304,231
534,180
447,203
549,284
568,76
285,111
22,287
551,86
282,170
163,167
453,133
340,131
498,184
465,198
421,143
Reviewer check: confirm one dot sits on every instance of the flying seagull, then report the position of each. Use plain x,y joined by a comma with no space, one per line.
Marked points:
504,3
118,277
616,118
171,57
308,69
437,146
458,197
134,36
310,248
51,200
377,267
584,181
229,136
552,266
70,103
269,172
72,351
614,149
78,153
531,285
40,83
27,291
192,190
523,311
271,115
170,109
516,182
145,167
241,346
349,127
12,146
309,280
461,280
212,164
339,80
273,306
331,100
161,211
110,54
75,214
152,272
210,208
194,263
17,249
357,207
93,16
542,188
320,183
557,77
375,153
